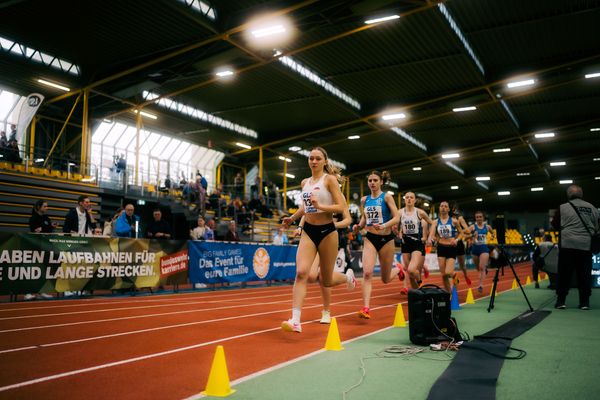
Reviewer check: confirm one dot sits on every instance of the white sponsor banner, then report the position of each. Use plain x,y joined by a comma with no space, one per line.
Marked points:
27,108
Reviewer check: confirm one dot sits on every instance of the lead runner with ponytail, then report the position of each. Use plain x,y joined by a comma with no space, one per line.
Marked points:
321,198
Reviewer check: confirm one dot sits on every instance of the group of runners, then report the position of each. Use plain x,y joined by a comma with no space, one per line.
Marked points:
322,199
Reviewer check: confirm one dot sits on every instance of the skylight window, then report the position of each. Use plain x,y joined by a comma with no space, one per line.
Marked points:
199,114
202,7
410,138
313,77
461,36
36,55
335,163
455,167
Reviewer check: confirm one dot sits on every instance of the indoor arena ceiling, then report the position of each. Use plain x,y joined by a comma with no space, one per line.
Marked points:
438,56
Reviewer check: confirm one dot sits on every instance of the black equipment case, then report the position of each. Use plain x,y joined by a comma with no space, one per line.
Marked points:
429,315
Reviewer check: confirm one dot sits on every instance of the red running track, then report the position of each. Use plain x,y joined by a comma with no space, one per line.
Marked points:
162,346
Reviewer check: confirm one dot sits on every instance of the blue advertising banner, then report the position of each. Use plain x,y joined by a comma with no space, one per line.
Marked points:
216,262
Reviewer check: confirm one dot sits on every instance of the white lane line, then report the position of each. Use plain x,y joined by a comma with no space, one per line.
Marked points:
134,299
170,326
197,301
154,355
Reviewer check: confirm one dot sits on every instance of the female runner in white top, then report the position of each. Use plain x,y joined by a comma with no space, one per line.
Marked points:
321,198
413,233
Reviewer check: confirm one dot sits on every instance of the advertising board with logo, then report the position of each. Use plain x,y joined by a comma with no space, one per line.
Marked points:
216,262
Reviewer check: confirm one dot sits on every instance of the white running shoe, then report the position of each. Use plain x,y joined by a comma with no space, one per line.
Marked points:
350,279
45,296
291,326
325,317
29,296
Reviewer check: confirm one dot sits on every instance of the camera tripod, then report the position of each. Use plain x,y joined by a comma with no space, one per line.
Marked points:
503,256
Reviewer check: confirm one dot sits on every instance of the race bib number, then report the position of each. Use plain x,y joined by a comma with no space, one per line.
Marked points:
308,207
410,228
481,238
374,215
444,231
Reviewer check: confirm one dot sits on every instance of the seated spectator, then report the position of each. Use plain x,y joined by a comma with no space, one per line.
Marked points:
166,185
80,220
201,232
39,222
11,153
158,228
210,230
232,235
125,225
109,225
549,252
280,237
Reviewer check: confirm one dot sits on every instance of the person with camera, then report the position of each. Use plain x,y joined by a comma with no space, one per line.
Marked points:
577,221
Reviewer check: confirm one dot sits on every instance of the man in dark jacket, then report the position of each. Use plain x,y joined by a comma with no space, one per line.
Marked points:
79,220
158,228
575,246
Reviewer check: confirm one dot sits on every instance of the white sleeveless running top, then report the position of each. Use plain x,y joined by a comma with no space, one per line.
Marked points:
411,223
320,191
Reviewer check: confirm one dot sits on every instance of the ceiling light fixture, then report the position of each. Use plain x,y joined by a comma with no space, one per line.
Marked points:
595,130
451,155
544,135
290,176
565,181
523,173
516,84
482,178
354,137
391,117
454,187
463,109
268,31
243,145
54,85
479,199
426,204
417,168
282,158
502,150
504,193
295,148
537,189
558,164
593,75
225,73
381,19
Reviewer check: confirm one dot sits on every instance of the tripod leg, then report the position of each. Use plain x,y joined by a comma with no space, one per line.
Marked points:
494,287
516,276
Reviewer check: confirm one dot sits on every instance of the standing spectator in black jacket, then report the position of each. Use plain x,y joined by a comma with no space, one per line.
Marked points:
158,229
575,253
11,153
79,220
39,222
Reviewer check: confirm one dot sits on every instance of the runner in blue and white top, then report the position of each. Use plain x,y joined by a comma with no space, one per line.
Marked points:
414,228
480,251
445,229
379,215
